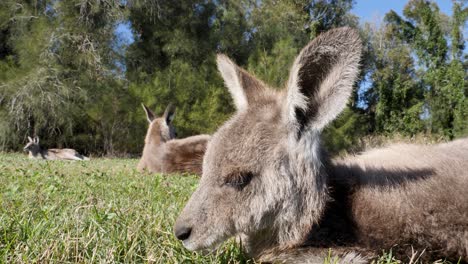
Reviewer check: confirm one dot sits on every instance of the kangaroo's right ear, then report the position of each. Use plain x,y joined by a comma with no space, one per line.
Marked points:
30,139
149,114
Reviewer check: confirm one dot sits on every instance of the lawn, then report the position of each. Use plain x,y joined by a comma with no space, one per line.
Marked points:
97,211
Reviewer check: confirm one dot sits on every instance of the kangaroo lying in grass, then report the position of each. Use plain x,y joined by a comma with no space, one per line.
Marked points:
267,180
165,154
36,152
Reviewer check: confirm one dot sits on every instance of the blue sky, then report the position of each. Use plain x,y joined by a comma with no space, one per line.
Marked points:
124,33
369,10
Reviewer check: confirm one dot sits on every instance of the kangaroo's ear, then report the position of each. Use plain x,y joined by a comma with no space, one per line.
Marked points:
169,113
36,140
30,139
149,114
245,89
321,80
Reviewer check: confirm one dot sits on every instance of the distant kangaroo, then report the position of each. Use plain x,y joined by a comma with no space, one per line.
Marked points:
36,152
267,180
165,154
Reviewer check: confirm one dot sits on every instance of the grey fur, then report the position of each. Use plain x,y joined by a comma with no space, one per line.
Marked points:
267,180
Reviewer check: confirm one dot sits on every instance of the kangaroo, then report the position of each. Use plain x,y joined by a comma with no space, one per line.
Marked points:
36,152
268,181
163,153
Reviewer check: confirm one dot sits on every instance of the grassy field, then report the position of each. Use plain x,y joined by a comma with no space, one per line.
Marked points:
97,211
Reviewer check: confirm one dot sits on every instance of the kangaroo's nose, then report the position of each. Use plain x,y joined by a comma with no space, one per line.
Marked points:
182,233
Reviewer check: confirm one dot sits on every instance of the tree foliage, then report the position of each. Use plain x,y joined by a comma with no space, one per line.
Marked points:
66,76
441,76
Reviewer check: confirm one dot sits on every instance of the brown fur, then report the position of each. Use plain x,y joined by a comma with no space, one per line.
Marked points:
165,154
267,180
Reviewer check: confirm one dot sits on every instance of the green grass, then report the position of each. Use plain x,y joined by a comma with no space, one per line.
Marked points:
97,211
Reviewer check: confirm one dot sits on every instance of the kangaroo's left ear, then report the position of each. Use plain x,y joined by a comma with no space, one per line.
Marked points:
244,88
36,140
321,80
169,114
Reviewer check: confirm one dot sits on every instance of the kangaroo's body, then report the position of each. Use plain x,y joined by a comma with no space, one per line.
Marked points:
399,197
267,180
36,152
164,154
175,156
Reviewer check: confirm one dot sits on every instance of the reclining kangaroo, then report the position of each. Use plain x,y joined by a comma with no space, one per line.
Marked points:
36,152
267,180
165,154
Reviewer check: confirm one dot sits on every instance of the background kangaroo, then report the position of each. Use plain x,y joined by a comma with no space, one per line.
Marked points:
36,152
267,180
165,154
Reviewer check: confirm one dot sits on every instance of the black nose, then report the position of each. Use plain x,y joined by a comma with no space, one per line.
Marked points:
183,233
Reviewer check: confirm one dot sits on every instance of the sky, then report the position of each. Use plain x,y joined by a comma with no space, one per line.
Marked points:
370,10
124,33
367,10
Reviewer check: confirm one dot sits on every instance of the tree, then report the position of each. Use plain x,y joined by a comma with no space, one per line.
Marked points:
55,59
431,91
395,96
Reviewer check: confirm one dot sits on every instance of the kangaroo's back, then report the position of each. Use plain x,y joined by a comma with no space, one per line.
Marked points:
409,194
185,155
64,154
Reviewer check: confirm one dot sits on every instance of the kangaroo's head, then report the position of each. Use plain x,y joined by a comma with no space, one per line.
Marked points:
160,129
32,145
263,178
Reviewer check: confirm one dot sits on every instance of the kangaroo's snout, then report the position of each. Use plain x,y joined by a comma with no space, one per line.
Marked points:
182,232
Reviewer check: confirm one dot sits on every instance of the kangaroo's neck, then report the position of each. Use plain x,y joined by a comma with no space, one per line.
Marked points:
308,169
38,153
335,227
322,216
154,144
152,152
303,177
44,153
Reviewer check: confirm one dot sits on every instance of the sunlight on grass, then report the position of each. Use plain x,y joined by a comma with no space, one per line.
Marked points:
97,211
102,210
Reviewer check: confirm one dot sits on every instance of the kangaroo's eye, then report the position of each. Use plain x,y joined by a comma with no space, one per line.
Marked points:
239,180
